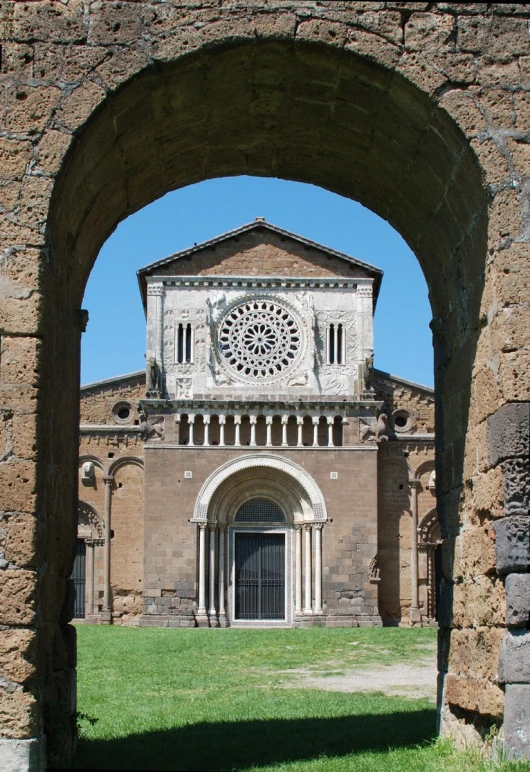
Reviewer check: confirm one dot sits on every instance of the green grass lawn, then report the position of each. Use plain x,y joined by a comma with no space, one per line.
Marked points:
225,700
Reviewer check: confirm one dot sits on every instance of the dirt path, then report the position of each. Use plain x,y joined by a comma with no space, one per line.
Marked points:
417,681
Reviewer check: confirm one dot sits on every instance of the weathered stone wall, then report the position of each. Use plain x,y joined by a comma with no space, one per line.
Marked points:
109,105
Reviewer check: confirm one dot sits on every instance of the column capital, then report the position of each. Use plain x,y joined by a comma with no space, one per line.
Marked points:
222,420
191,418
315,419
202,526
299,420
206,418
269,419
297,526
253,419
414,484
285,419
212,525
155,288
237,419
330,419
308,527
108,479
318,526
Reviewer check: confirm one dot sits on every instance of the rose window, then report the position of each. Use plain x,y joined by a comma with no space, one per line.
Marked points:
260,339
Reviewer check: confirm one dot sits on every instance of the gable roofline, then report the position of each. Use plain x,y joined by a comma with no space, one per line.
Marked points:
377,273
106,382
403,381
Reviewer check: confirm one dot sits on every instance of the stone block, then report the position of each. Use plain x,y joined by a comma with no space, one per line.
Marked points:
517,600
514,660
516,486
18,714
512,544
17,654
509,432
17,597
516,726
23,755
474,694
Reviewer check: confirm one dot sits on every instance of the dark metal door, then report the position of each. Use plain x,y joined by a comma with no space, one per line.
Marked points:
79,577
260,575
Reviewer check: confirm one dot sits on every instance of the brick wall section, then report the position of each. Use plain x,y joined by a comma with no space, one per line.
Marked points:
262,253
349,542
399,395
98,400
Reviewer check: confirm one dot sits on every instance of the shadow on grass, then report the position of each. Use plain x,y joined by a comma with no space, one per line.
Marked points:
242,744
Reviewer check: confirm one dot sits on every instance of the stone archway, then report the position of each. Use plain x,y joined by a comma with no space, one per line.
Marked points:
415,112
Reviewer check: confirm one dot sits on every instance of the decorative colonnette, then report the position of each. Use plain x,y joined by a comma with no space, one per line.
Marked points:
333,422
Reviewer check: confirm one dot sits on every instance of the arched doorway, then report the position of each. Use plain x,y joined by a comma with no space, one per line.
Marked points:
261,518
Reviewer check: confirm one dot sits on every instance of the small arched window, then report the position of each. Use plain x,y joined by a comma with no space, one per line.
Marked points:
184,344
259,511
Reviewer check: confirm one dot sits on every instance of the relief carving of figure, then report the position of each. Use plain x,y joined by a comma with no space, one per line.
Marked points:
377,432
184,388
88,473
154,378
366,374
298,380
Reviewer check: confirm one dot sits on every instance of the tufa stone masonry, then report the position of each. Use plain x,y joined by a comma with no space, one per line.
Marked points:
421,112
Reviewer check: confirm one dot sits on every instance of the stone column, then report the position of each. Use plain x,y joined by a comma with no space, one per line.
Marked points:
330,420
318,568
212,610
221,587
336,342
201,611
237,425
415,616
300,424
307,570
206,423
316,421
253,420
191,421
106,567
222,422
268,421
89,543
285,419
298,570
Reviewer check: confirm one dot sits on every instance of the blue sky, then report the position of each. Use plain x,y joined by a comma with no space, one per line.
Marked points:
114,342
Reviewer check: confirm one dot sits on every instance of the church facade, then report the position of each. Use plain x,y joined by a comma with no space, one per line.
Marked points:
260,472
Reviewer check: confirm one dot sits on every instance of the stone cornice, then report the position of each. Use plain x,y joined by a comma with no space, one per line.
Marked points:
216,406
263,282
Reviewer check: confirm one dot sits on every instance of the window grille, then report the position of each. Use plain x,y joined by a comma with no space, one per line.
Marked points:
259,511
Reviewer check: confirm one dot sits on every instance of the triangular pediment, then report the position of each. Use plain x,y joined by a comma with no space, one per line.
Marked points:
261,249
